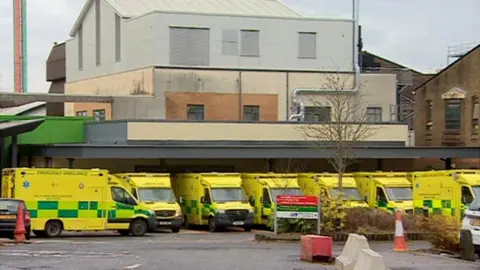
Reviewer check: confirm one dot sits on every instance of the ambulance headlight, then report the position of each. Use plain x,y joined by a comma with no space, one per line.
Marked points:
151,212
178,212
250,210
221,211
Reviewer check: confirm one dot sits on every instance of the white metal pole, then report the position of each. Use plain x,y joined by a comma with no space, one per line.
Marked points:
275,216
319,218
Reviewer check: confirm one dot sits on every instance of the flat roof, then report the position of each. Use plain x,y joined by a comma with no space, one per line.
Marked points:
238,149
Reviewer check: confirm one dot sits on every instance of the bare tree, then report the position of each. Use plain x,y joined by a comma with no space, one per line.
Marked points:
341,122
285,169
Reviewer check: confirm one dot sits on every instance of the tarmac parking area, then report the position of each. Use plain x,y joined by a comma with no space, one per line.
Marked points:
189,250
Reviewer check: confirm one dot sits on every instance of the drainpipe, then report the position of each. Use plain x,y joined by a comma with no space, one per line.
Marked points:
299,107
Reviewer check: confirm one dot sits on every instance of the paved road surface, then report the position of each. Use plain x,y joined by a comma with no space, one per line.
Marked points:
187,250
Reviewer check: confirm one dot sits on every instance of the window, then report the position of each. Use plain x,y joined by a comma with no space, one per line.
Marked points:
374,114
207,198
251,113
266,197
97,33
429,109
195,112
381,197
118,38
318,114
121,196
307,45
99,115
230,42
250,43
134,193
82,113
475,114
453,114
80,48
467,196
189,46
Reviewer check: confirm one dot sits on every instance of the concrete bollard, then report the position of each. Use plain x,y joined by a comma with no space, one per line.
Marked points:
467,250
351,251
369,260
316,248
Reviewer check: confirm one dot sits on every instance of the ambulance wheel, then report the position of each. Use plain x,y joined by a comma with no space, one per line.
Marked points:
53,228
124,232
247,228
138,227
212,225
39,233
175,229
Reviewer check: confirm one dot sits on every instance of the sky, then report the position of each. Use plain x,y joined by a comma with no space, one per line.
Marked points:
414,33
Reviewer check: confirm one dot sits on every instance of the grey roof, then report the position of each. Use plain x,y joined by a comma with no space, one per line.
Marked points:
13,128
237,150
136,8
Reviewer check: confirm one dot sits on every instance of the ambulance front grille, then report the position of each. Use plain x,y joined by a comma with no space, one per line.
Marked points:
237,215
165,213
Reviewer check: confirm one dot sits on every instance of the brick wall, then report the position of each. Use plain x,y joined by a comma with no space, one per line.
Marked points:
464,74
220,106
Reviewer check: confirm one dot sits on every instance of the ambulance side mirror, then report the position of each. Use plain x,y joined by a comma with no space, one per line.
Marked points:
251,201
202,199
366,198
180,199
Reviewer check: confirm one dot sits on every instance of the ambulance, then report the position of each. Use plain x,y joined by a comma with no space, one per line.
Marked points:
443,192
155,190
390,191
263,189
77,200
214,199
315,183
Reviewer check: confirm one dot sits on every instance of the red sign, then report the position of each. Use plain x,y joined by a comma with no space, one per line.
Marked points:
297,200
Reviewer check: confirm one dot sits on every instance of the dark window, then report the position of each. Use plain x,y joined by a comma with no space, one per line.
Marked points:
120,195
381,197
266,197
318,114
207,196
250,43
118,38
251,113
195,112
467,196
82,113
429,109
475,114
453,114
134,193
374,114
98,45
99,115
80,47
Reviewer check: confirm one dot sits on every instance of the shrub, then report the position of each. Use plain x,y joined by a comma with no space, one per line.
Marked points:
373,220
443,232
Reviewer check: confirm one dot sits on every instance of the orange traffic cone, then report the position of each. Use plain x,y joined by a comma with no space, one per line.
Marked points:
400,242
20,225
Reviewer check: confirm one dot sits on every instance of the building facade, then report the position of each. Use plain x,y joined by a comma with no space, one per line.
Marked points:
239,62
448,105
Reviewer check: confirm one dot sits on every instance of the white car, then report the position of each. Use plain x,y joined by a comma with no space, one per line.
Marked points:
471,221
